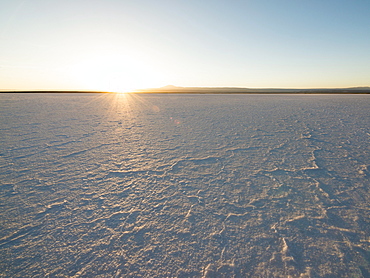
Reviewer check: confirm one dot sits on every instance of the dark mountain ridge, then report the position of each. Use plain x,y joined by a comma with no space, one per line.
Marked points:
237,90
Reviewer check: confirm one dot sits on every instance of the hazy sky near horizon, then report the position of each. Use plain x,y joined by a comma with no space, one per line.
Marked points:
119,45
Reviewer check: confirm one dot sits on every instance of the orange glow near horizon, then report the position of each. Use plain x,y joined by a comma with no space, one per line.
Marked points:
113,72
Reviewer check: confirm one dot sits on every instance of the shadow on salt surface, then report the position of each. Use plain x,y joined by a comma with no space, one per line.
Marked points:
203,166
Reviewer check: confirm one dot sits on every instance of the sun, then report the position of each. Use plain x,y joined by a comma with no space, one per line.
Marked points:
114,73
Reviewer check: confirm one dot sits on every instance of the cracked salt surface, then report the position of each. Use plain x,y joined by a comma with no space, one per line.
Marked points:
184,185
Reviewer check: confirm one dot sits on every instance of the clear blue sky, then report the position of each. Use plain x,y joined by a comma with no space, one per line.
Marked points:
122,45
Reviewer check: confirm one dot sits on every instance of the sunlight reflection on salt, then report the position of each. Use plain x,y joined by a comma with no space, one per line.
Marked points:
184,185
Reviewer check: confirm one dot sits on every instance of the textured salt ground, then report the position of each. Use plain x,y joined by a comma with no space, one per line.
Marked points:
184,185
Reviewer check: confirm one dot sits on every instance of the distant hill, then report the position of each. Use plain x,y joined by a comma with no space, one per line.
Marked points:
170,89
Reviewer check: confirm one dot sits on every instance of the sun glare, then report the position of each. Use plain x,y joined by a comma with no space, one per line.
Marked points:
113,73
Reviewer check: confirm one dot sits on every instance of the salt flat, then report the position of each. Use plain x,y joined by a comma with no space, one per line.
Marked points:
109,185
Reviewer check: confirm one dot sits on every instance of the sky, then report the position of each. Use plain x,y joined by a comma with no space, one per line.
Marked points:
121,45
